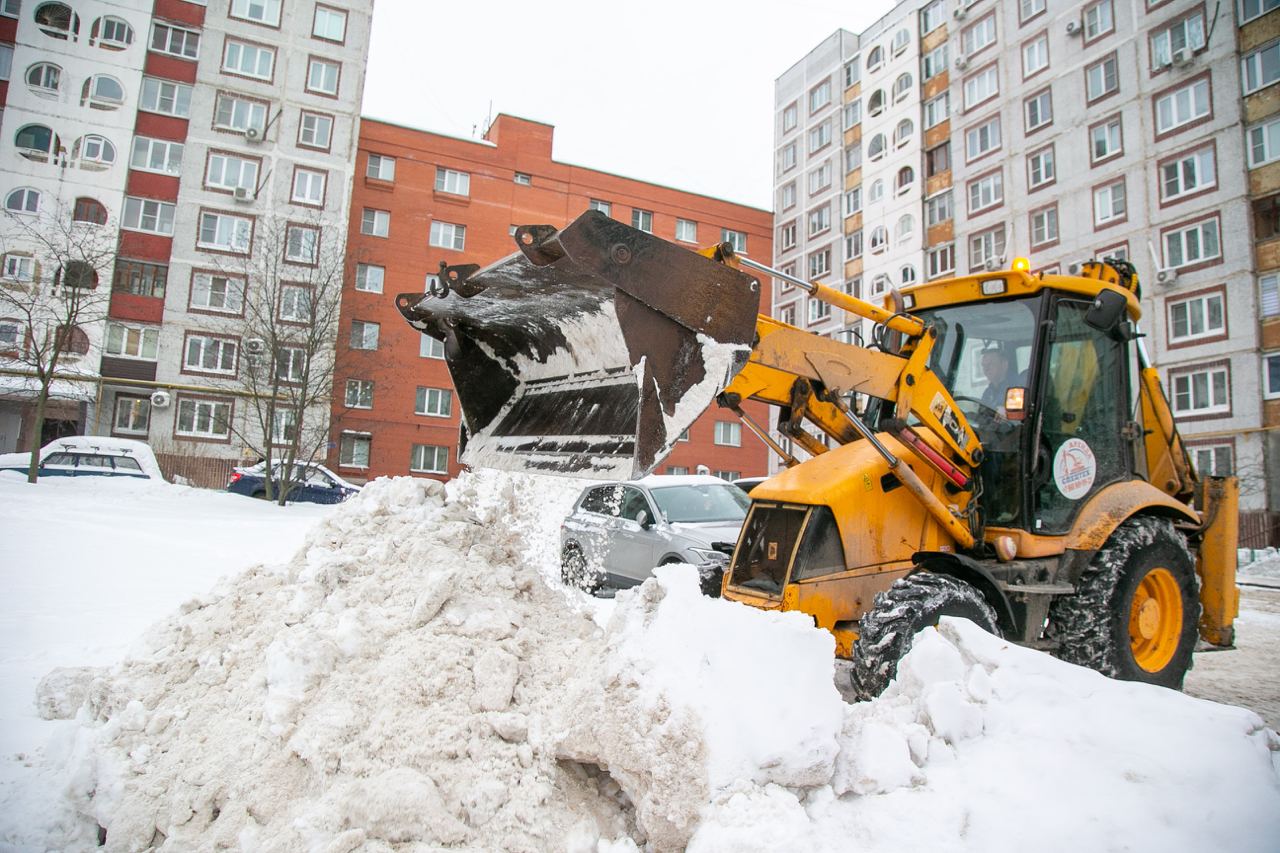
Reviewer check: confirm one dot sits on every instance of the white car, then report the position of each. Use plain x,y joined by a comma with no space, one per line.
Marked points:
89,456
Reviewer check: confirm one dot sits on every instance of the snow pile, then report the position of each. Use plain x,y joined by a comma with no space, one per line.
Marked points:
1259,566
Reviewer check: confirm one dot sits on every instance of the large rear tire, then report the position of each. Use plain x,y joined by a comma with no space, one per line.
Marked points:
1136,608
574,571
912,604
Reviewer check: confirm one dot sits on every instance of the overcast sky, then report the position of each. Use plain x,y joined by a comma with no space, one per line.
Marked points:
676,93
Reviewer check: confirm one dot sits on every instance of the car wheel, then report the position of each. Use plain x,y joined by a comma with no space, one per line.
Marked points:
261,495
574,571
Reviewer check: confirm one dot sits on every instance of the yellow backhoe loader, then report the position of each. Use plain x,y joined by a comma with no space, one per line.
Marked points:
1001,449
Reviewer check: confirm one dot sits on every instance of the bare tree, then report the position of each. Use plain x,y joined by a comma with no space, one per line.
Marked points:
50,290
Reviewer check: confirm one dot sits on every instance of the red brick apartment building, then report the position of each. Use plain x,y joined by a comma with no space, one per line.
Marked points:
421,198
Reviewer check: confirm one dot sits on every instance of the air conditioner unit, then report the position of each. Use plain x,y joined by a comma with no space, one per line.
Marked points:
243,194
1074,28
961,63
1166,276
1181,57
993,264
960,14
255,346
160,399
1074,268
253,134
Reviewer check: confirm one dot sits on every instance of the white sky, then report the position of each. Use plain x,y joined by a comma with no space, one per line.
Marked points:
676,93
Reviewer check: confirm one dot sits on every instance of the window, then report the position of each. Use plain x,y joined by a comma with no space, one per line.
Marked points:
308,187
851,75
132,415
986,246
284,424
19,267
934,62
364,335
1038,111
446,235
1106,140
875,103
879,239
1197,317
249,60
57,20
852,114
301,244
642,220
1188,173
36,142
1186,34
1191,244
175,41
902,87
932,16
819,136
140,278
369,277
876,147
875,58
1035,55
429,459
383,168
983,139
790,118
937,160
329,24
224,232
1271,376
1044,226
901,39
603,206
1269,295
1099,20
102,92
1250,9
979,35
129,342
1260,68
903,132
359,394
44,78
986,192
216,292
906,177
201,418
429,347
235,113
375,223
448,181
353,450
322,76
1264,143
147,214
10,8
787,314
1109,203
938,209
315,130
879,285
90,211
853,245
1040,168
981,86
729,433
1101,79
737,239
787,236
787,197
258,11
208,354
1212,460
1182,106
165,97
229,172
1202,392
819,96
291,364
942,260
937,110
789,158
686,231
905,227
156,155
437,402
907,275
23,200
819,220
853,201
819,263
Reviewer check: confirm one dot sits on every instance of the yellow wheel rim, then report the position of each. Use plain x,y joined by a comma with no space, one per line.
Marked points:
1155,620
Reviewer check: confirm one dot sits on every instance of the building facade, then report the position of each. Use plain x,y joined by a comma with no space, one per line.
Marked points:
423,198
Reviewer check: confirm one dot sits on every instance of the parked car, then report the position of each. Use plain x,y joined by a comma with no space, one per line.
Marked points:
618,532
748,483
89,456
313,482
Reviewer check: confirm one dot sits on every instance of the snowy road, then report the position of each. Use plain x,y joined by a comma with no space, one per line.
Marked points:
1249,675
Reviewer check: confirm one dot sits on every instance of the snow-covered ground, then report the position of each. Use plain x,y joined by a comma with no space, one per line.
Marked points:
413,676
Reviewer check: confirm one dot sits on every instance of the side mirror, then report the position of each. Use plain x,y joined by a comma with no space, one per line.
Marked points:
1107,311
644,520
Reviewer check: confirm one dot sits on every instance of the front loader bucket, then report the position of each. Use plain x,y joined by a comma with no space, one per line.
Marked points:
591,350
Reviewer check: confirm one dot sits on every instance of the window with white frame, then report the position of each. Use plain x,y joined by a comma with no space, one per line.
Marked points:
1106,140
175,41
1109,203
429,347
1102,78
904,228
229,172
937,110
907,274
1099,19
932,16
1192,244
981,86
436,402
232,112
790,118
728,433
1035,55
322,76
902,87
1212,460
986,246
429,459
452,181
819,96
876,103
291,364
934,62
941,260
853,245
165,97
1260,68
448,235
156,155
978,36
301,244
208,354
736,239
1202,392
329,24
19,267
224,232
1190,173
1044,226
148,215
217,292
202,418
787,236
875,192
1037,110
903,132
103,92
1271,375
258,11
364,335
819,263
369,277
1184,34
383,168
852,201
642,220
686,230
359,394
1040,168
1269,295
132,415
986,192
819,220
308,186
820,178
23,200
136,342
1264,143
938,209
353,450
315,130
1250,9
819,136
248,60
901,39
603,206
375,223
852,114
875,58
879,285
1182,106
787,314
284,426
876,147
851,72
787,196
44,78
879,239
1197,317
982,139
112,33
789,158
905,178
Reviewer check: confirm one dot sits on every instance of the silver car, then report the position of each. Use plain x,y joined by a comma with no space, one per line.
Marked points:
618,532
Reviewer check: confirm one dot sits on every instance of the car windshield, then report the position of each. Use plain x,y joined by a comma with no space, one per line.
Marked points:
697,503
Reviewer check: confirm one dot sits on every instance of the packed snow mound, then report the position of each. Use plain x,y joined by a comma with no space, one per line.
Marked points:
414,680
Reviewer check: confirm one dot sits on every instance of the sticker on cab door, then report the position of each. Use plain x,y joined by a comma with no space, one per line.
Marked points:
1074,469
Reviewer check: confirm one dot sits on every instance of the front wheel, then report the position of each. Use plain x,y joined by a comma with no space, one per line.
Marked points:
1136,608
912,604
574,571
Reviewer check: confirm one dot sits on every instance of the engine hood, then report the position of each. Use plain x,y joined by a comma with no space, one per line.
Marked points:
703,534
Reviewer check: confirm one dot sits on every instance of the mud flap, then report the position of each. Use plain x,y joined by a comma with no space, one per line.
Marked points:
591,350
